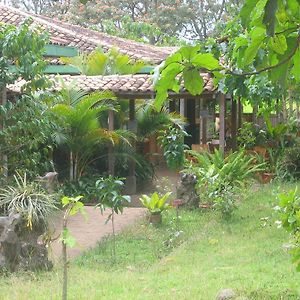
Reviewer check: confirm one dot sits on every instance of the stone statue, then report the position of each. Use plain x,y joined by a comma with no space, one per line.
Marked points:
187,191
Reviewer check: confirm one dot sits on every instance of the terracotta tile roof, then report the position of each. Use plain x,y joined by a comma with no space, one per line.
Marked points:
121,85
85,39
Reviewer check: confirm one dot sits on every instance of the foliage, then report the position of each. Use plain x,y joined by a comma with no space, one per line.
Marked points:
155,203
162,22
109,193
289,204
246,136
289,164
109,190
219,178
27,136
25,47
150,121
28,199
81,131
172,141
264,40
100,63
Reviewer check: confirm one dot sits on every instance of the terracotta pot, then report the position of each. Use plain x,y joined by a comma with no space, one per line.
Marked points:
266,177
260,150
155,219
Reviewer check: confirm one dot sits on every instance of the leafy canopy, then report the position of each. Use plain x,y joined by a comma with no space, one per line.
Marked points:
264,39
21,55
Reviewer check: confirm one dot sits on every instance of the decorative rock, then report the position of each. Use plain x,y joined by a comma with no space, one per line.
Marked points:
226,294
19,247
187,191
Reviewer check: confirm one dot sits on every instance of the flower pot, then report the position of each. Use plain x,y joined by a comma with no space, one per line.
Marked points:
260,150
155,219
266,177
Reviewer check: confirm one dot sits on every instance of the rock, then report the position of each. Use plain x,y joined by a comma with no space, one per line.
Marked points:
187,191
19,247
226,294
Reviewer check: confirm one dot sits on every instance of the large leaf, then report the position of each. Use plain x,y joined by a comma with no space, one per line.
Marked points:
193,81
257,37
278,43
206,61
269,18
296,67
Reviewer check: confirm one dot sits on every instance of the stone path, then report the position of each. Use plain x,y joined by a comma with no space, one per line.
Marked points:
88,232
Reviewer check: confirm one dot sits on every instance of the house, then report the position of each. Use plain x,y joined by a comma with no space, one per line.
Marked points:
68,40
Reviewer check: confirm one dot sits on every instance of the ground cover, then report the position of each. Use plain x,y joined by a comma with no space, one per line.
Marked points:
247,253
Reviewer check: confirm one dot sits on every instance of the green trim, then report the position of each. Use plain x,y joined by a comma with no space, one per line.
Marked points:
146,70
61,69
58,51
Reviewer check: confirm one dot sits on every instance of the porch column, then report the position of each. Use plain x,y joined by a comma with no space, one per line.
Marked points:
3,100
172,106
183,106
203,122
111,156
240,113
132,126
222,115
233,123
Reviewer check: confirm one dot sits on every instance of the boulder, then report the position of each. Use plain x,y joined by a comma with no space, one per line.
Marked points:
19,246
226,294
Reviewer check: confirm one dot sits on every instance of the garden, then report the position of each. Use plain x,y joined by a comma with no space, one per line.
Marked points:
214,213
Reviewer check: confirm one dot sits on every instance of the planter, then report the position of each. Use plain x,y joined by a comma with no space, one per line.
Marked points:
155,219
266,177
260,150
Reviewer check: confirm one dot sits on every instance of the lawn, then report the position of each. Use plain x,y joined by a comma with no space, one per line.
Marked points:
193,259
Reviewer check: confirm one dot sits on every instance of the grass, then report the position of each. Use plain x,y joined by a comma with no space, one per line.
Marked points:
208,254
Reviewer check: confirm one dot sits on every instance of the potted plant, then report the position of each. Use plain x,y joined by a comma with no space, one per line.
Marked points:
156,205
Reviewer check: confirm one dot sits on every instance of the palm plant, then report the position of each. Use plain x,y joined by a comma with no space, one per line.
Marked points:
100,63
81,130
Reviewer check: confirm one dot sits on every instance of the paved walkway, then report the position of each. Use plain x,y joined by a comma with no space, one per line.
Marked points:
88,232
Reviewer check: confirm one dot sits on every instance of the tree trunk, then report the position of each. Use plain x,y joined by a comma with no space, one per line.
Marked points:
65,264
71,166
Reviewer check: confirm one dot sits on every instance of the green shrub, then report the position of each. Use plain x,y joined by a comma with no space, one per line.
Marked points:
289,204
219,178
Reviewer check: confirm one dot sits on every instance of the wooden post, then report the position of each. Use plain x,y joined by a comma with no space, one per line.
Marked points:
4,157
111,156
203,121
132,126
183,107
254,114
240,113
234,111
172,106
222,115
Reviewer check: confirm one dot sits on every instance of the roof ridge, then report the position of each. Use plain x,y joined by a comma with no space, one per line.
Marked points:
85,39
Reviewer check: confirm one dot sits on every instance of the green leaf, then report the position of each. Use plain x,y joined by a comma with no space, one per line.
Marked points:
246,10
188,52
67,239
269,18
257,37
206,61
278,44
296,67
193,81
